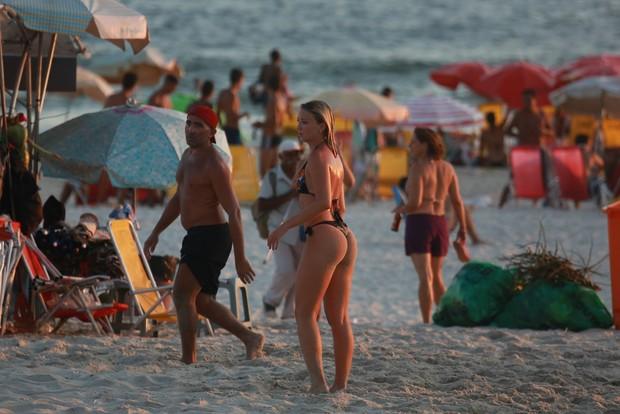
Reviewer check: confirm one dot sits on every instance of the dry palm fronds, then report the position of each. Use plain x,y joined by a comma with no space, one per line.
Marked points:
541,263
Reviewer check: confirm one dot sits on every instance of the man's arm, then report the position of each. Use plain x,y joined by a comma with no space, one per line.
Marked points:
222,184
276,201
170,213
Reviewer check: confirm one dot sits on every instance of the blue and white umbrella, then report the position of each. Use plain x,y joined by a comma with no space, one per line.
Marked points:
138,147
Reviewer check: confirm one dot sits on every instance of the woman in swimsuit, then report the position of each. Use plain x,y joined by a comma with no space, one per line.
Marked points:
326,267
430,182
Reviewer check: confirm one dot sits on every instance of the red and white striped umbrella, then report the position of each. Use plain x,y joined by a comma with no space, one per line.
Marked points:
440,111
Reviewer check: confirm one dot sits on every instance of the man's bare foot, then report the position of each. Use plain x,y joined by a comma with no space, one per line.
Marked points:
338,388
318,389
188,361
254,345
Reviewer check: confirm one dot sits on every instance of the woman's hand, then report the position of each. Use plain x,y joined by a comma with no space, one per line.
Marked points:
461,235
275,236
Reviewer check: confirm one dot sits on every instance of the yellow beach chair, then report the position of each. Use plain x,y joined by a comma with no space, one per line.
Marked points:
148,298
582,125
392,167
246,182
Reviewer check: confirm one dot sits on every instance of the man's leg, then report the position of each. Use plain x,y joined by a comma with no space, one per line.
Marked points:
283,277
209,308
185,290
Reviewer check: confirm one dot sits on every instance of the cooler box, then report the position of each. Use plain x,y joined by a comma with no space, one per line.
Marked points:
527,172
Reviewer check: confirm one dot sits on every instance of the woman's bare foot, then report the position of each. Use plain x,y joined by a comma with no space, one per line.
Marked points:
338,388
254,345
318,388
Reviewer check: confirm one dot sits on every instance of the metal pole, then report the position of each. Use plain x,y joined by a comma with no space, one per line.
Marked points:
29,110
49,67
2,89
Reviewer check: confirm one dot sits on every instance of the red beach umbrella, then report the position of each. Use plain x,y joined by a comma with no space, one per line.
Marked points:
468,73
508,82
588,66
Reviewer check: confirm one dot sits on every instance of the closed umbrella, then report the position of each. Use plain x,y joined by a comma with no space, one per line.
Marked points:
508,82
138,147
590,96
362,105
466,73
440,111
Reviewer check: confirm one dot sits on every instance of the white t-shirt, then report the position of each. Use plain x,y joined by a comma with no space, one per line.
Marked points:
276,216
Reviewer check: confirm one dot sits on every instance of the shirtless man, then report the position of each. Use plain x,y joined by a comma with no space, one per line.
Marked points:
130,84
204,192
528,121
430,182
161,97
229,107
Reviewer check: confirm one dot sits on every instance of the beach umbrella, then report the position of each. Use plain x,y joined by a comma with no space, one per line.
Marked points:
589,66
440,111
150,65
508,82
138,147
467,73
91,85
362,105
105,19
590,96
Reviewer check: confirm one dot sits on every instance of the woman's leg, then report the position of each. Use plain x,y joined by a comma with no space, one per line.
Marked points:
323,251
422,264
336,304
438,287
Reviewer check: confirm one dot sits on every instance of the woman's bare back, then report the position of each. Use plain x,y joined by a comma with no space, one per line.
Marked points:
430,184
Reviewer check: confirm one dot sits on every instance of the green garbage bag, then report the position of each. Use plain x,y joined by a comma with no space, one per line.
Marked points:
477,294
544,305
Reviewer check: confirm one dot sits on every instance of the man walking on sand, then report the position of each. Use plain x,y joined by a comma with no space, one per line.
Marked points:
204,192
229,107
161,97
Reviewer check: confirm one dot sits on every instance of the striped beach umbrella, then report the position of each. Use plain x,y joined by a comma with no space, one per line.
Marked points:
105,19
440,111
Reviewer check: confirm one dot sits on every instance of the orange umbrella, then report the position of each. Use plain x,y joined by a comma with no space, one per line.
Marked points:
508,82
467,73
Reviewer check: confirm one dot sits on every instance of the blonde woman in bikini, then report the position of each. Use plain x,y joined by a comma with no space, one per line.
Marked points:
326,267
430,182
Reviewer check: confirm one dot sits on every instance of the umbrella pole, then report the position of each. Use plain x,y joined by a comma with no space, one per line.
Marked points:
42,90
134,199
18,80
4,125
29,110
49,67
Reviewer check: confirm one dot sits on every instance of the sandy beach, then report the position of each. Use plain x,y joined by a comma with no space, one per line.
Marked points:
400,365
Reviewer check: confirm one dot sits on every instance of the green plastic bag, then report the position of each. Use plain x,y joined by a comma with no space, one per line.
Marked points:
181,101
543,305
477,294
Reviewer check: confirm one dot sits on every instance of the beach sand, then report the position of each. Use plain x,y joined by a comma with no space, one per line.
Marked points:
400,365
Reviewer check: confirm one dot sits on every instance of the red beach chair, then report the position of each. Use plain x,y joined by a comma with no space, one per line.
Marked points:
527,172
571,172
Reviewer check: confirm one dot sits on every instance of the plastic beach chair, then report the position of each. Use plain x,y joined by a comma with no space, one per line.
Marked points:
11,245
571,172
246,181
526,164
392,163
148,298
65,297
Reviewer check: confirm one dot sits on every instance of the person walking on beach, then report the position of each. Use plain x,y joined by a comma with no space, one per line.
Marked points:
430,182
161,97
206,94
204,193
229,107
259,89
129,87
278,196
328,259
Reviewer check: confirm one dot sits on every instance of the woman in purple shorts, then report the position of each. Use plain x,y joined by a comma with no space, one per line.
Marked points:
430,181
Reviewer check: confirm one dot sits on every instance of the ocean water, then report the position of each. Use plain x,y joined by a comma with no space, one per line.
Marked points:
330,43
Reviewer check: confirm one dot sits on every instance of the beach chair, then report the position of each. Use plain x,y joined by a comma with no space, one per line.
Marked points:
148,298
65,297
582,125
526,164
11,245
571,172
392,163
246,182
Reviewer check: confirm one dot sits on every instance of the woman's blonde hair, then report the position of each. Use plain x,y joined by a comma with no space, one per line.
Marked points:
323,115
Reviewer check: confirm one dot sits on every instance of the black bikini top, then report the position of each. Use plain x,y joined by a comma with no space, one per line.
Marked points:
302,187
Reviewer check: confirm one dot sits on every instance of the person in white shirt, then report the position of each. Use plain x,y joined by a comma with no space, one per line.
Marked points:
281,200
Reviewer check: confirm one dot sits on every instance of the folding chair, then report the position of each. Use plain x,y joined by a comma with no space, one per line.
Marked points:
148,298
11,245
65,297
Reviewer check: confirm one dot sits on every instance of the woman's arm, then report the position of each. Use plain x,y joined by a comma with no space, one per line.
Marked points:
414,190
457,204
